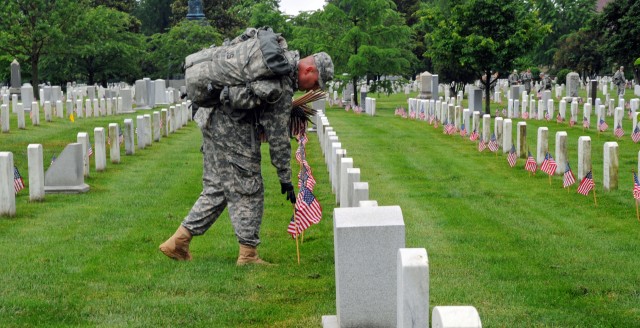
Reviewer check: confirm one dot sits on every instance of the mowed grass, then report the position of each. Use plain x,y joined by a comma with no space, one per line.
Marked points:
525,253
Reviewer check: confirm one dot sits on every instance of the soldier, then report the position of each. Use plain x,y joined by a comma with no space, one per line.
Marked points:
620,81
231,151
545,82
526,79
514,79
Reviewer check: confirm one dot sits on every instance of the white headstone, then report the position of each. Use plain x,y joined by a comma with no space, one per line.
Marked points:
507,135
521,140
83,139
114,140
455,317
7,191
413,288
129,137
100,151
36,172
542,145
345,164
584,157
610,166
561,152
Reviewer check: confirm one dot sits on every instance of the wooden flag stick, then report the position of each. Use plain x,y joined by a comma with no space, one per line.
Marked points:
549,179
594,196
295,222
637,212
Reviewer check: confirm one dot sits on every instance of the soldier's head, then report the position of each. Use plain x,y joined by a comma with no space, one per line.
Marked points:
621,68
515,71
314,71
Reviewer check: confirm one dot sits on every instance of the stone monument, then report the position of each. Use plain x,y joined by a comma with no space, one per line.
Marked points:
195,10
573,81
16,79
425,86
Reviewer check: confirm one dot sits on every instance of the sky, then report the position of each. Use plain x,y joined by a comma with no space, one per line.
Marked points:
293,7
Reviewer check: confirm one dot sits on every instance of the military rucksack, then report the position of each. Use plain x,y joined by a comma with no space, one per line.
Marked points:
257,54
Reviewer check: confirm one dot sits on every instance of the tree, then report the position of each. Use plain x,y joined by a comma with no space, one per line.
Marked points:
126,6
580,51
167,51
621,32
484,36
366,38
565,17
264,14
154,14
223,15
104,46
30,29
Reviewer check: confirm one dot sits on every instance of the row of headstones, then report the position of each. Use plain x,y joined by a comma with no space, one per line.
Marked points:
100,107
369,250
503,131
447,112
66,174
517,107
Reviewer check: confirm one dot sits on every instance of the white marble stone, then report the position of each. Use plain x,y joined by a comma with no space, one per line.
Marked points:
507,135
353,176
148,138
164,129
455,317
114,140
129,137
413,288
486,127
561,152
47,111
36,172
360,192
368,203
4,118
339,154
59,109
366,242
610,166
140,134
342,195
83,139
156,126
7,192
542,144
65,175
331,160
584,157
100,151
521,140
35,113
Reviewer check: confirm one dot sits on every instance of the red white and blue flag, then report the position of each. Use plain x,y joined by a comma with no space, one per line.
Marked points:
549,165
512,157
18,183
586,184
568,179
619,132
636,186
493,143
531,165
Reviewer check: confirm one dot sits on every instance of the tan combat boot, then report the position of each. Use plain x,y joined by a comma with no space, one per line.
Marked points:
177,247
249,255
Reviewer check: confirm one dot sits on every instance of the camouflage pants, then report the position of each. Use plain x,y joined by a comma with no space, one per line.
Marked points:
620,89
231,177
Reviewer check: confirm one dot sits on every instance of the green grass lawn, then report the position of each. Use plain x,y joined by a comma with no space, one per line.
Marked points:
524,253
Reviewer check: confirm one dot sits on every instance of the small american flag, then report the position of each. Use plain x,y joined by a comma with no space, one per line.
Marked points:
585,122
493,143
307,207
549,165
504,112
511,158
636,186
546,115
296,228
422,116
90,152
586,184
412,115
18,183
463,131
619,132
525,115
635,136
602,125
568,179
559,118
482,145
572,122
474,135
435,123
531,165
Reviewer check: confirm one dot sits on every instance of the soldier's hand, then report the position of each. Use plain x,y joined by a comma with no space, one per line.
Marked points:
288,189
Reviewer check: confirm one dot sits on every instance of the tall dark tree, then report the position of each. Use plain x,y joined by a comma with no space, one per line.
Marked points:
31,29
126,6
621,32
564,17
486,36
155,15
580,51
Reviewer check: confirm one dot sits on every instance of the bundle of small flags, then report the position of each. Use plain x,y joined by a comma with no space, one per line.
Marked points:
307,209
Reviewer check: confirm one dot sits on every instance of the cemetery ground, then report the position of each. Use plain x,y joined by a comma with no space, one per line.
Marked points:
523,252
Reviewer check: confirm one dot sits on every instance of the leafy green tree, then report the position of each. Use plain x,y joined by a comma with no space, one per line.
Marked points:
565,17
155,15
484,36
621,32
366,38
167,51
126,6
30,29
104,46
229,17
580,51
264,14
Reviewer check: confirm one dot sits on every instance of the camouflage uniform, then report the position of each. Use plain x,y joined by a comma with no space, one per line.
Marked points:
231,148
514,79
526,79
619,81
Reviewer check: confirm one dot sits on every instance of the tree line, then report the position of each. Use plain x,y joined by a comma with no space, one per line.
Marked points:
97,41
